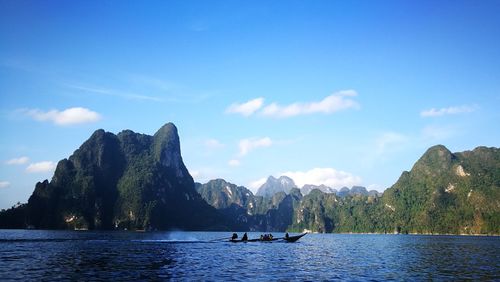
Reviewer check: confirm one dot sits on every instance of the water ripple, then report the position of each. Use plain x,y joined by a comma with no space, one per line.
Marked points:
104,256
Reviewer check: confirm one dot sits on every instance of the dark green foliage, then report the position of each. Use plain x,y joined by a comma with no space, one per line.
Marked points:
136,181
13,218
249,212
443,193
129,180
448,193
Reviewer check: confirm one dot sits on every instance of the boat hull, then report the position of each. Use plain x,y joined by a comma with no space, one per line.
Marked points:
290,239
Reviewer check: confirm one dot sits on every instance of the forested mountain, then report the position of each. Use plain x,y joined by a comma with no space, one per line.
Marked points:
137,181
443,193
448,193
129,180
251,212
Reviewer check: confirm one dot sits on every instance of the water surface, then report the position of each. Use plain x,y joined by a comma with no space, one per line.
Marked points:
87,255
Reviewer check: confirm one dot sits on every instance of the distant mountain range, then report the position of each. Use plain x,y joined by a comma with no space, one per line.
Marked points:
286,184
273,186
135,181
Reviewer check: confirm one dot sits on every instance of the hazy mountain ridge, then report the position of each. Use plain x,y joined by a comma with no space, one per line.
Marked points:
250,212
275,185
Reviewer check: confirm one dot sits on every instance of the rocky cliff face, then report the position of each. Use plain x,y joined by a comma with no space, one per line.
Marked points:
250,212
129,180
273,186
306,189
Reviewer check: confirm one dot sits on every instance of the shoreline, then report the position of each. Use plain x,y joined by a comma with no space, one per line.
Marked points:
308,231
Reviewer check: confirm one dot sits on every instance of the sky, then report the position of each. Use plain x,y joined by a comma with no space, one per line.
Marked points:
339,93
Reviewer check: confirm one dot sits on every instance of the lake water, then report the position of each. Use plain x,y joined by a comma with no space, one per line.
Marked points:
85,255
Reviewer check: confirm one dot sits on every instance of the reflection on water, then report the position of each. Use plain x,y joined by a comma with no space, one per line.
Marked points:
68,255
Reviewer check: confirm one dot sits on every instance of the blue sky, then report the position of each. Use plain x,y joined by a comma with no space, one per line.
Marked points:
333,92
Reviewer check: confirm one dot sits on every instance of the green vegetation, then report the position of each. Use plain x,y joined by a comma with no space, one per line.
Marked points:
124,181
135,181
444,193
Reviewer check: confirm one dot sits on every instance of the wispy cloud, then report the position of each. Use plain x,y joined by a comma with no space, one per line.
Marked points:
247,108
234,162
4,184
448,111
389,141
339,101
18,161
70,116
254,185
247,145
114,92
46,166
327,176
213,144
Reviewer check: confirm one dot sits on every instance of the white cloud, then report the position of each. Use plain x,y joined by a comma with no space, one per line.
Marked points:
447,111
46,166
234,162
247,145
327,176
4,184
330,104
213,144
389,141
254,185
18,161
69,116
247,108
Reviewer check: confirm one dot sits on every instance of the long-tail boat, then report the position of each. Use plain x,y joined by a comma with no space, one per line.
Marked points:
289,239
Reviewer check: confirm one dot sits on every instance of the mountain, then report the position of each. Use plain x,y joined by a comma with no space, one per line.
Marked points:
327,212
448,193
249,212
306,189
444,192
137,181
273,186
221,194
129,180
343,192
357,190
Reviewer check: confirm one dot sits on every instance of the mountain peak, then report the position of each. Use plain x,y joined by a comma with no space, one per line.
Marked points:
167,128
167,148
436,158
125,180
273,186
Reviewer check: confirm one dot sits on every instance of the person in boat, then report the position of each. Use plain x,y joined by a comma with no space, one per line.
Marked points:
234,237
266,237
287,236
245,237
